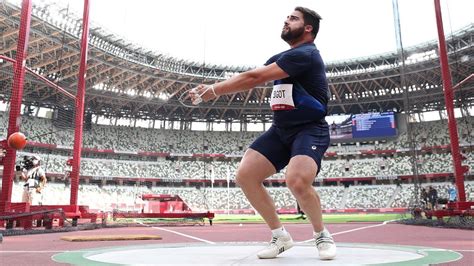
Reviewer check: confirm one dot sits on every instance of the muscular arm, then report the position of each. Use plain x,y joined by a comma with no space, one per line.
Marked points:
244,81
247,80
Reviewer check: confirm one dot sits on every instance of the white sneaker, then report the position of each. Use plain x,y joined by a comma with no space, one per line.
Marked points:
325,245
276,246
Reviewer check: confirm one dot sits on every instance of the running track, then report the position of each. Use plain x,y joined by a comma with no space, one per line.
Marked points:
38,249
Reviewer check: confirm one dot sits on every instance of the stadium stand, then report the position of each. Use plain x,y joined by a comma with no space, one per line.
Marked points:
183,142
127,198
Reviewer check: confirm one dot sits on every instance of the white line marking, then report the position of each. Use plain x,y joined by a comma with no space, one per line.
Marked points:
37,251
464,250
353,230
181,234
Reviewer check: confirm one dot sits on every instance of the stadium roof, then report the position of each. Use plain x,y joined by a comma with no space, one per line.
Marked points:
127,81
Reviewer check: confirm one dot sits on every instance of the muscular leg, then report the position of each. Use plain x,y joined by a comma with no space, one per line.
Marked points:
300,175
253,169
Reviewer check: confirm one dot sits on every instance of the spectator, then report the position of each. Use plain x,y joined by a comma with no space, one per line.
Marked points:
424,197
433,197
452,192
333,128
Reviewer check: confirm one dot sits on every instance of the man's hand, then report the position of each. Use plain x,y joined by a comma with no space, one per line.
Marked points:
202,93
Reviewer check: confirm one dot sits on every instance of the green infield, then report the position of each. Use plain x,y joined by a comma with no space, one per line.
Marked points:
327,218
286,218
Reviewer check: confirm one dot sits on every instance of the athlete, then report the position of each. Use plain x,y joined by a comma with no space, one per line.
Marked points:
298,137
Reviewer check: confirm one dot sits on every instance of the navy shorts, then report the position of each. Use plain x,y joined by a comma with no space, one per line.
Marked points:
279,145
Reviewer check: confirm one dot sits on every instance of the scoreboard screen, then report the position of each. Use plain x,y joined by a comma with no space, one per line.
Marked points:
373,125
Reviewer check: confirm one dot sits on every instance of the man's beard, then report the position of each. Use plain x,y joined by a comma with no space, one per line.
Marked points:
291,35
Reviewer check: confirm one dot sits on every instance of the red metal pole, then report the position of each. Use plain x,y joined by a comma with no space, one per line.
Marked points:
81,90
15,104
45,80
449,98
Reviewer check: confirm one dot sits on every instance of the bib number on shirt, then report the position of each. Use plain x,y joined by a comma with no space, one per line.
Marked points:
282,97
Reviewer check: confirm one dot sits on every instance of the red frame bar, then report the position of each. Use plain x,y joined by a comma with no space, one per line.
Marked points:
41,77
449,98
462,82
15,104
81,90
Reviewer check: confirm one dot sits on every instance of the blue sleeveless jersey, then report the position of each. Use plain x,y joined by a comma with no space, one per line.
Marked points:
307,78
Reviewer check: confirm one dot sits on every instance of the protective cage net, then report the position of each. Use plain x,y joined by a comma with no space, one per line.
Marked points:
47,112
422,162
420,203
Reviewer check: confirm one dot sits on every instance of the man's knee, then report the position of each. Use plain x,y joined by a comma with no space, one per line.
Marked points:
295,184
243,176
298,183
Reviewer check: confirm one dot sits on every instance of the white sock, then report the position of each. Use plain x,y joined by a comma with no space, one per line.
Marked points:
279,232
317,234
